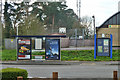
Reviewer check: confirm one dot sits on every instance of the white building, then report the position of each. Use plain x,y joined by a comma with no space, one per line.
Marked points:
119,6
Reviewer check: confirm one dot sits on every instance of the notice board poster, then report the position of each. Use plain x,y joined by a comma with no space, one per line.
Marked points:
103,47
38,44
52,50
24,49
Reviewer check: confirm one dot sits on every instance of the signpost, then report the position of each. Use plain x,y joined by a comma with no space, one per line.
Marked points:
24,49
103,46
52,50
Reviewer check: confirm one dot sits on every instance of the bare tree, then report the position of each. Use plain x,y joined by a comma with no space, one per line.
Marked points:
86,23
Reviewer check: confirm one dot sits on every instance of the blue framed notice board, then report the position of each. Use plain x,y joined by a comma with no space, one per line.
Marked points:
102,46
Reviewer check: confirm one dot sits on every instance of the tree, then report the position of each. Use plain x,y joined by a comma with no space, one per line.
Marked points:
18,13
86,22
58,15
31,26
7,20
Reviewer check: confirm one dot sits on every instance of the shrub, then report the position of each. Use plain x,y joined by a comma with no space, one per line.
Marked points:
13,73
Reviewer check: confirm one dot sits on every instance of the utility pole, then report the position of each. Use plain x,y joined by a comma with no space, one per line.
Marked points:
78,8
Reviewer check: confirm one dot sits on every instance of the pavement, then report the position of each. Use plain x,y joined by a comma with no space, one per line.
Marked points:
46,62
76,48
84,48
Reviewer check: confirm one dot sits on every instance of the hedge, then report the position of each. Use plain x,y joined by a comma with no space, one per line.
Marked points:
13,73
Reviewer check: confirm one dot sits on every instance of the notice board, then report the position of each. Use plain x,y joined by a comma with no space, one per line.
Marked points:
103,47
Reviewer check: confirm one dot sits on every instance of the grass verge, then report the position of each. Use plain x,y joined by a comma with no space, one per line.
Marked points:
79,55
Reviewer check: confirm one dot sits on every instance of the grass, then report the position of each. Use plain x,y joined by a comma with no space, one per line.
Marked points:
9,55
80,55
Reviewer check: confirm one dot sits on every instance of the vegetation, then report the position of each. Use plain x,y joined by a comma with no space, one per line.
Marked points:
80,55
41,17
13,73
9,55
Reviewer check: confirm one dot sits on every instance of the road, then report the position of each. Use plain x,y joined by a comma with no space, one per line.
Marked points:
69,71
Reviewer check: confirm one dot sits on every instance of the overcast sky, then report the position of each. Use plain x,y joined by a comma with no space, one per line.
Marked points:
102,9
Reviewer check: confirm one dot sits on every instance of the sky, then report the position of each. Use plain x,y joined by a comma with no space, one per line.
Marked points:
101,9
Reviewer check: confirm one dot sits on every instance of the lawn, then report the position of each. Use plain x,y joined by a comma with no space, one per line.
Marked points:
79,55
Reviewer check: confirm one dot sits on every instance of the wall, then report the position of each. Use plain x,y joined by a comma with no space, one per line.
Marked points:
114,31
10,43
81,43
64,42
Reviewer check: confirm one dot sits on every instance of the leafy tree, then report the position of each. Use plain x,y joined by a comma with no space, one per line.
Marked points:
7,20
18,13
58,15
31,26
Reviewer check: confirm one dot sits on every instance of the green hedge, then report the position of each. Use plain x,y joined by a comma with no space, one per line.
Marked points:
13,73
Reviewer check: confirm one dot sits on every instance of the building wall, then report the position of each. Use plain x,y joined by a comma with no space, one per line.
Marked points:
114,31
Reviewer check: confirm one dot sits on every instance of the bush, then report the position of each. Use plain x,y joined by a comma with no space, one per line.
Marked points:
13,73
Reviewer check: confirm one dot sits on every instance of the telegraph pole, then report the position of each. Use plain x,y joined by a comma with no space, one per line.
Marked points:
78,4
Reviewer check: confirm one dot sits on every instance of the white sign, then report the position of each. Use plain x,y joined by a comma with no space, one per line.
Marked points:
62,30
38,43
103,35
38,57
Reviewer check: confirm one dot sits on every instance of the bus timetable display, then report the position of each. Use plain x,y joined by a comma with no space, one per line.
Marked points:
52,51
24,49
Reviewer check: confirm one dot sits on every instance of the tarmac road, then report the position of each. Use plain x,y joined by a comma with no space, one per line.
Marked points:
84,70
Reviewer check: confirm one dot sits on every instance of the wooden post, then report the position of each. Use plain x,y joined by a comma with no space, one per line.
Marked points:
115,75
55,75
19,78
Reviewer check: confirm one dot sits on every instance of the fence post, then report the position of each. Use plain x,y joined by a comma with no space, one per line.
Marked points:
19,78
55,75
115,75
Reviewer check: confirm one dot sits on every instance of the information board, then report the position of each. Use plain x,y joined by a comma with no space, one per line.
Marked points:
52,51
24,49
103,47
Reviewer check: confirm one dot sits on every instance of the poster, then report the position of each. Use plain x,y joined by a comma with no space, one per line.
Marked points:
24,49
106,42
52,51
100,49
106,49
38,43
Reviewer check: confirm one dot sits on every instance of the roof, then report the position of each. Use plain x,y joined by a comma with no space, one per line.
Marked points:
103,25
39,36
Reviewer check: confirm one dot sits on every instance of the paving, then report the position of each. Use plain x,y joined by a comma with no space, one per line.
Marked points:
77,48
47,62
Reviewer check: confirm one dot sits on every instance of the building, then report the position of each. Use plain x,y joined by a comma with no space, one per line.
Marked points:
111,26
